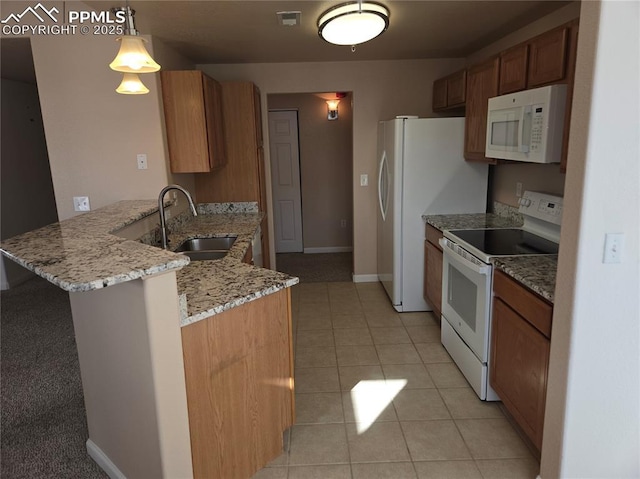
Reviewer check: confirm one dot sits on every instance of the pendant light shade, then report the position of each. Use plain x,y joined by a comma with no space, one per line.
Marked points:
131,85
353,23
133,56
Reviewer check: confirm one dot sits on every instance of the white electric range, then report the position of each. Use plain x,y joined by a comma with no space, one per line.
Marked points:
467,281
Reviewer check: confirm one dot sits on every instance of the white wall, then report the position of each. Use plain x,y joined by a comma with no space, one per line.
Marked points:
381,90
592,423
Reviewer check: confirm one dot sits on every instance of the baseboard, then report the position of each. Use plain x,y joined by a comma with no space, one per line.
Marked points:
329,249
103,461
365,278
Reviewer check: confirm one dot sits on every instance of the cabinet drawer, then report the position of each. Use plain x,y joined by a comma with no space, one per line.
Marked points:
530,306
433,235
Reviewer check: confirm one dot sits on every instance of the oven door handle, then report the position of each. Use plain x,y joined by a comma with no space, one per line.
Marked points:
483,269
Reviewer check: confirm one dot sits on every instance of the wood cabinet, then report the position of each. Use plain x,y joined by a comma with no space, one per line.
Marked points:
482,84
450,91
571,73
547,57
243,177
520,332
239,376
194,121
513,69
433,269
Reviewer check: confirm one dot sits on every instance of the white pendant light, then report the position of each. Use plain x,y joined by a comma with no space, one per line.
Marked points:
353,23
132,85
132,56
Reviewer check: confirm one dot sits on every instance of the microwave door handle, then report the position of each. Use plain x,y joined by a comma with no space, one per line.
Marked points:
456,258
524,112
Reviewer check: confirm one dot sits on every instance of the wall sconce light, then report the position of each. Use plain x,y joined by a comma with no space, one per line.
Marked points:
353,22
332,108
132,57
132,85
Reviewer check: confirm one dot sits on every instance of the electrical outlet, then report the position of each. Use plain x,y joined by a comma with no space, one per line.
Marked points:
343,223
519,189
142,161
81,203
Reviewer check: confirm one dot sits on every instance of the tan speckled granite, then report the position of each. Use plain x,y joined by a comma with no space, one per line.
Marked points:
536,272
81,254
470,221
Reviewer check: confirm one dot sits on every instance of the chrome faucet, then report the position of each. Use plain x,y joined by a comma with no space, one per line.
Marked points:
163,221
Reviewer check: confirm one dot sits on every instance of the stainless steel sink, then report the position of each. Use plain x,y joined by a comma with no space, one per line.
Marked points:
200,249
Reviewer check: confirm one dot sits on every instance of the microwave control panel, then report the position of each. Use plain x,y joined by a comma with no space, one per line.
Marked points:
537,127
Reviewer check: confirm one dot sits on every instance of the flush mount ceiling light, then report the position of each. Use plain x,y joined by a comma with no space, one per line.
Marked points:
132,85
133,56
353,23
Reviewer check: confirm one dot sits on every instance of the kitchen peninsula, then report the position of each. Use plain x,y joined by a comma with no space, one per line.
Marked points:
186,367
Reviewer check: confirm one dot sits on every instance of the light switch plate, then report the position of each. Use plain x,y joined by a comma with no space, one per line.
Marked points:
364,180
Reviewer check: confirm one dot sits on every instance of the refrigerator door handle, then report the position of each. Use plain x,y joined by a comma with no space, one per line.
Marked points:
383,201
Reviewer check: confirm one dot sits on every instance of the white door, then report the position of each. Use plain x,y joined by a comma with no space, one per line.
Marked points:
285,181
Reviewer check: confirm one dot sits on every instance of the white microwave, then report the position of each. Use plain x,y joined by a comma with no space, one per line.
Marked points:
527,125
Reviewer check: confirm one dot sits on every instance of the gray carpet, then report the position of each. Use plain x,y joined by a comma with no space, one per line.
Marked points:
44,427
315,268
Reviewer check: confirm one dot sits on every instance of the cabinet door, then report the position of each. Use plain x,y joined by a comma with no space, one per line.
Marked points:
519,367
482,84
439,100
456,89
215,124
547,57
433,277
571,72
513,69
183,99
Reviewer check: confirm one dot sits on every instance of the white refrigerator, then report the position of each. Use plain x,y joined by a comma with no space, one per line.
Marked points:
421,170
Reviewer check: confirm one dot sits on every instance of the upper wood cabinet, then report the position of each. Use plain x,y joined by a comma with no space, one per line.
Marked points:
482,84
194,121
513,69
571,72
547,57
243,177
450,91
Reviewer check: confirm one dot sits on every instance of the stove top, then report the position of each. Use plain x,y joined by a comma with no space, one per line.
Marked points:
504,242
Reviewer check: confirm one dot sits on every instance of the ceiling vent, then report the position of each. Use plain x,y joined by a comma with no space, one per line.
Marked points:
289,19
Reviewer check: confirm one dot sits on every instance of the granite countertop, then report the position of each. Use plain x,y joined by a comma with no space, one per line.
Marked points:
82,254
536,272
470,221
211,287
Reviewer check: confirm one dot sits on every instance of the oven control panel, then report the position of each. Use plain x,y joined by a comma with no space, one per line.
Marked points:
542,206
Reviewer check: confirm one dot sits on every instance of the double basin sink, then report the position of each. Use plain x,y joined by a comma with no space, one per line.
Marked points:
200,249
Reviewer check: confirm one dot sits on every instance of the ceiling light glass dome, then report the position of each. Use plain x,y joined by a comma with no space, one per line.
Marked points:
353,23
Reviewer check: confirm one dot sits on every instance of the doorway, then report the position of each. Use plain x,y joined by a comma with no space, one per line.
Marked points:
325,174
27,196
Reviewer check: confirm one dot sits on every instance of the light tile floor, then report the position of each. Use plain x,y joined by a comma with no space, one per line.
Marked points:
378,397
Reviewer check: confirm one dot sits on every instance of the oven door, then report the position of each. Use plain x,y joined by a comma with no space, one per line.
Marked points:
466,297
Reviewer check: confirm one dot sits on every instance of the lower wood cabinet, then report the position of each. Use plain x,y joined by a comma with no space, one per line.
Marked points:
239,376
520,353
433,270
